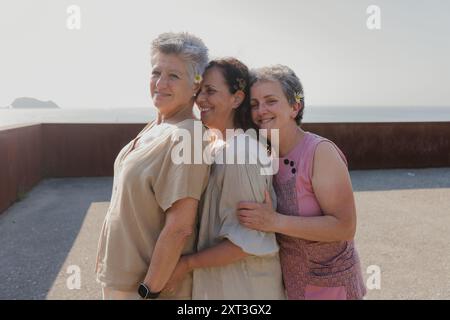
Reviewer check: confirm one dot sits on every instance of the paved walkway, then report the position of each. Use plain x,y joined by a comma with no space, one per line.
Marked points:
403,229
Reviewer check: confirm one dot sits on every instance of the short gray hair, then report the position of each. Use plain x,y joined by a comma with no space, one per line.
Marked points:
288,80
188,47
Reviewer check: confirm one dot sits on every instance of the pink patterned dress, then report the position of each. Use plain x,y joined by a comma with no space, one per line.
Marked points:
312,269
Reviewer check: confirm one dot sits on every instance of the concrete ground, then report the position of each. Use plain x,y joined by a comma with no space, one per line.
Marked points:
403,233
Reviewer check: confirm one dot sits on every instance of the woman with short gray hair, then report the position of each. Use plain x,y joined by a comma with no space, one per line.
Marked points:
290,84
186,46
151,218
315,219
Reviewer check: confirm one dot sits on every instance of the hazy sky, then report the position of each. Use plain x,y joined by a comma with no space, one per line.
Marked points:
340,61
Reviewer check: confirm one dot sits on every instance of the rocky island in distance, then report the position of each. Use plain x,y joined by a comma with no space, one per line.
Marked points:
31,103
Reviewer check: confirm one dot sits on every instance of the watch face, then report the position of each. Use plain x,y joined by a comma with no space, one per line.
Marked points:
143,290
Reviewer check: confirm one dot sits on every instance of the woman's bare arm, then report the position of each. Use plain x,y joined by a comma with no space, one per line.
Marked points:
179,225
333,190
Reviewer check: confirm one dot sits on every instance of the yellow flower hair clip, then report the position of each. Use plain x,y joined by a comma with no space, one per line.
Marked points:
197,78
298,97
240,84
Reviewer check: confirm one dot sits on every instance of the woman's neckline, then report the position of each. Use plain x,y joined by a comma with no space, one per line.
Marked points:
150,125
177,122
296,146
154,124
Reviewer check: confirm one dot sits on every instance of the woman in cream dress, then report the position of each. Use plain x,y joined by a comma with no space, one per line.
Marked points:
232,262
153,209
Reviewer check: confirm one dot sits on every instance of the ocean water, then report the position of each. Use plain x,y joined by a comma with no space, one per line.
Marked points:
143,115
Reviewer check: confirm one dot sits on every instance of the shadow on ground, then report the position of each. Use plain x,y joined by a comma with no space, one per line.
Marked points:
37,233
403,221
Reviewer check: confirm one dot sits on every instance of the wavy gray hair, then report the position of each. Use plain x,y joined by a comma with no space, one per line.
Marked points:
288,80
188,47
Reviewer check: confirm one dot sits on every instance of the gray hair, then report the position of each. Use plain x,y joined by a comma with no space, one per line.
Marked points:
188,47
288,80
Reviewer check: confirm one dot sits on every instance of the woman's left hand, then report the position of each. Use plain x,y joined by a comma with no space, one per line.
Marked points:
181,270
258,216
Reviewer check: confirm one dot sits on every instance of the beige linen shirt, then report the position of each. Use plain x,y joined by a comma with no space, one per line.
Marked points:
146,183
259,275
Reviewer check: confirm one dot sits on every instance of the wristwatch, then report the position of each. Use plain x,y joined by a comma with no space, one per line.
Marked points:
145,292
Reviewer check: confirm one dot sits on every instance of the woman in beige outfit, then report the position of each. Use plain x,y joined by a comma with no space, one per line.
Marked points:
152,216
232,262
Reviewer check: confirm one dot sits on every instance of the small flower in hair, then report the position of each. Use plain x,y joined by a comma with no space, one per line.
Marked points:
197,78
241,84
298,97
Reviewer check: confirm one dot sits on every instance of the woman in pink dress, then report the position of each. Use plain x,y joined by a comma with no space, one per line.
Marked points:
315,219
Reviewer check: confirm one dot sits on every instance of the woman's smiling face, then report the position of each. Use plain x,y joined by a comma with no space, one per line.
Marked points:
270,108
215,101
170,85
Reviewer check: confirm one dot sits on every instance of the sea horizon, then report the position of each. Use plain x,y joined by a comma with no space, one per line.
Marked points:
312,114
